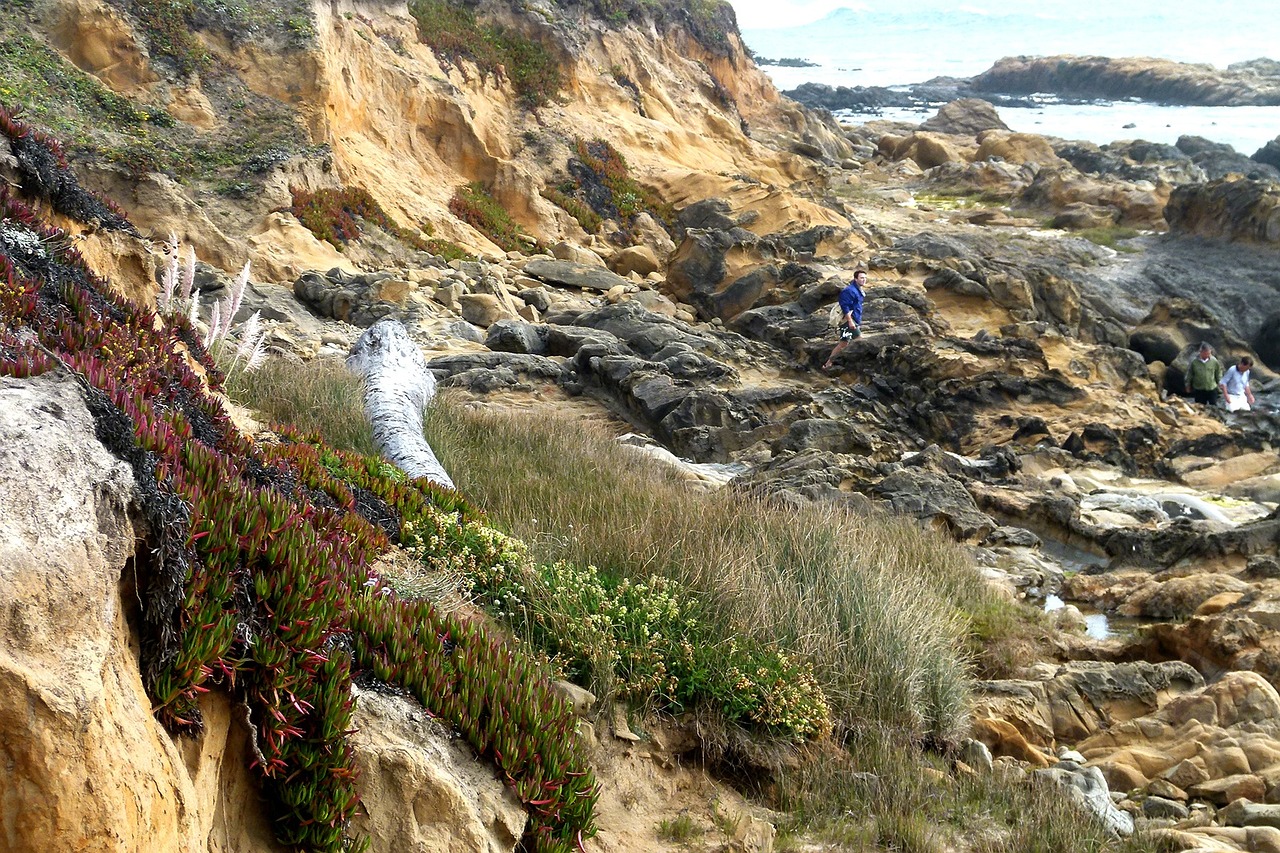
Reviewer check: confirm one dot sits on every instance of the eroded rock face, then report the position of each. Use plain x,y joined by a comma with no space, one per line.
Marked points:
422,789
86,764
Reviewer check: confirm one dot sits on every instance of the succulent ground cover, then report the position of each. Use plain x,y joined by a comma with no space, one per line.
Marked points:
256,576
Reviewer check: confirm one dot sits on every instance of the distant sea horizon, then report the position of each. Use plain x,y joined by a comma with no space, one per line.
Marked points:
917,40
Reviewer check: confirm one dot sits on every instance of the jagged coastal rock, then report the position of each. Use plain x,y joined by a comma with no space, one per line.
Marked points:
1159,80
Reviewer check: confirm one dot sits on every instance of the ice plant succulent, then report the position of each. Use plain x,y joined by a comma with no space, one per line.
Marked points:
256,576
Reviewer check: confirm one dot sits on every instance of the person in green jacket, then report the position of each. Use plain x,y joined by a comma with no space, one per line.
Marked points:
1204,374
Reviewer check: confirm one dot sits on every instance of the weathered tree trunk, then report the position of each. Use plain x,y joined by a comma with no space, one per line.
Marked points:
397,388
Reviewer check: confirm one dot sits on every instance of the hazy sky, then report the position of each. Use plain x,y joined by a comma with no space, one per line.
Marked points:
758,14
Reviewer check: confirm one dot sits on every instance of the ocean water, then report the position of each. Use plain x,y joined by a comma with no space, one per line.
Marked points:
912,41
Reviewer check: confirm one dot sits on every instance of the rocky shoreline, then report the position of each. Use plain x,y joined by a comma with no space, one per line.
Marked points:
1027,81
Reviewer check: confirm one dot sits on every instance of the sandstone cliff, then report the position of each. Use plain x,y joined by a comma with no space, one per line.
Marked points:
375,108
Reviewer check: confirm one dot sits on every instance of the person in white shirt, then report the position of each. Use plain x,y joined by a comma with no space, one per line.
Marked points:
1235,386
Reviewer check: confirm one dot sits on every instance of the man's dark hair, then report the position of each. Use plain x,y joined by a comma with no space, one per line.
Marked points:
1246,361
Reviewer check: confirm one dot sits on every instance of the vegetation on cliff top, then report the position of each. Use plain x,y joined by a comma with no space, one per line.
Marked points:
97,124
172,27
455,33
710,22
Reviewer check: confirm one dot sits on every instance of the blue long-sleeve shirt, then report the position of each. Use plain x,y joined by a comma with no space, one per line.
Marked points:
851,301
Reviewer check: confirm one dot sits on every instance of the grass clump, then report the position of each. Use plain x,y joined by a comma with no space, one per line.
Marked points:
454,33
474,205
600,187
873,621
1111,236
876,796
319,397
679,829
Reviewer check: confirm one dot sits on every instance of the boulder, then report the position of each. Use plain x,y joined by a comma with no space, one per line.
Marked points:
1088,787
1266,341
1269,154
966,117
928,150
638,259
1079,215
483,309
718,273
572,274
517,336
937,499
1228,209
576,254
1243,812
1015,147
1220,160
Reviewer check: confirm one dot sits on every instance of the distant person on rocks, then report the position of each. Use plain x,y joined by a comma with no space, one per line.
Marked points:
851,323
1204,375
1235,386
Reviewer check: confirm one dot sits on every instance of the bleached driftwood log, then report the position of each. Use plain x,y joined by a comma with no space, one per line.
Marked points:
397,389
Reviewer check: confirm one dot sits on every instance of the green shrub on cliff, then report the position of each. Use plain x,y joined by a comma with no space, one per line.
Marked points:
334,215
600,187
474,205
172,27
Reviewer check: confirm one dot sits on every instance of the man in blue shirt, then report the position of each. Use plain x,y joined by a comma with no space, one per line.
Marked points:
851,324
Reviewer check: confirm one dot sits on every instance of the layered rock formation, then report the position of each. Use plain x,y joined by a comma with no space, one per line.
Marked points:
1159,80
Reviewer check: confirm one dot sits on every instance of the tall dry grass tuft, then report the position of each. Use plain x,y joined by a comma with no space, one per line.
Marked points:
320,396
876,796
868,601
